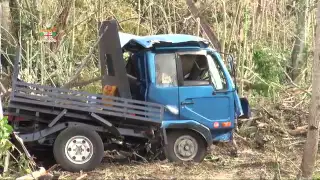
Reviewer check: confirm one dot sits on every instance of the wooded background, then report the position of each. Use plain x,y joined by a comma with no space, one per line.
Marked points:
270,39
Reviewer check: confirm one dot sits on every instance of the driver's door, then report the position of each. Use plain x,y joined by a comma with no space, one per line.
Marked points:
199,99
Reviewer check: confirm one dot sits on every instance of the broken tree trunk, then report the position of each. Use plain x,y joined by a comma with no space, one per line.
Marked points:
204,25
311,145
298,55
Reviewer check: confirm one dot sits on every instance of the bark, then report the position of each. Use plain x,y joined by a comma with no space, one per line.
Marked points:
5,23
311,145
14,12
82,83
297,55
61,23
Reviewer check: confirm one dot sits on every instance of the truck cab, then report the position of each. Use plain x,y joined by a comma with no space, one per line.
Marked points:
188,77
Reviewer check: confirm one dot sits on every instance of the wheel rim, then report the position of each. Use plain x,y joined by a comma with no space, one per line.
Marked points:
186,148
79,149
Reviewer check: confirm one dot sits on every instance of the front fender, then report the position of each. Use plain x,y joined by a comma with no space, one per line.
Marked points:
188,124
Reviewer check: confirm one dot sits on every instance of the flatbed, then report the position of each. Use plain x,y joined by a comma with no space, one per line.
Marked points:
61,104
83,102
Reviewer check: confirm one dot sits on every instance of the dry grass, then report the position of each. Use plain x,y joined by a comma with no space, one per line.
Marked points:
250,164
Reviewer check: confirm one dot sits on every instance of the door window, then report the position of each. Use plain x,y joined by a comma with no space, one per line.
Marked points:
166,70
200,69
217,75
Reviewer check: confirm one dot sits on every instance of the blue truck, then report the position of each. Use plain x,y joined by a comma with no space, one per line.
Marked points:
173,95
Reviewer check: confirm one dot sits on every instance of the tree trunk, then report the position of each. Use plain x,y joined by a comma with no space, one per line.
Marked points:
311,146
297,55
14,11
205,25
5,24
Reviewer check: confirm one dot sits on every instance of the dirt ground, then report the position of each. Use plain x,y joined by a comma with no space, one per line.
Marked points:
270,146
266,163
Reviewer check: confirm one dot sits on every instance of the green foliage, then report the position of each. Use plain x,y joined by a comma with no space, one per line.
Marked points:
269,67
5,144
19,163
316,176
5,131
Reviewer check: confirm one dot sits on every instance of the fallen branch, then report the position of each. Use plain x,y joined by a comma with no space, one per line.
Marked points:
6,162
82,176
299,131
144,159
83,83
33,175
52,168
295,143
294,84
243,139
2,88
84,61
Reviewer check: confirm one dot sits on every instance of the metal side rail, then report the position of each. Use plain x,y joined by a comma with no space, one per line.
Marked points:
34,136
27,93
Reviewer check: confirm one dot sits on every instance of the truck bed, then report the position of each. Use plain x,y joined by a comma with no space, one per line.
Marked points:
50,100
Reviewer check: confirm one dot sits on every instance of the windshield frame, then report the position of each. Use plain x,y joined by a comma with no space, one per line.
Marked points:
216,57
215,77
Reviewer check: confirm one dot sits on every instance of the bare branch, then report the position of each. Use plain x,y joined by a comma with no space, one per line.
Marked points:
84,61
83,83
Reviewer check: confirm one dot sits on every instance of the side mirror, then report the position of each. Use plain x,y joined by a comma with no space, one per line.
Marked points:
174,110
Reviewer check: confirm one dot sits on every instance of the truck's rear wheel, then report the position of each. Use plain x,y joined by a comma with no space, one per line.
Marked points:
78,148
185,146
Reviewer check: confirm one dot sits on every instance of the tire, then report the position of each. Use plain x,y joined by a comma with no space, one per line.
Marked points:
175,136
71,141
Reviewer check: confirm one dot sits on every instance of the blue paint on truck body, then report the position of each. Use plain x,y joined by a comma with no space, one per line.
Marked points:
207,107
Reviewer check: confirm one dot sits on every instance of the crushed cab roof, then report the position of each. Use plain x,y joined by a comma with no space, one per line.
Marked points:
130,42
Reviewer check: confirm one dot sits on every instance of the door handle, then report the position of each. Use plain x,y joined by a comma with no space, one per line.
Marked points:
187,102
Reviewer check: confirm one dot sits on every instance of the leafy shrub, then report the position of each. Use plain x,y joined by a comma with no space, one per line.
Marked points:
269,67
5,144
19,163
5,131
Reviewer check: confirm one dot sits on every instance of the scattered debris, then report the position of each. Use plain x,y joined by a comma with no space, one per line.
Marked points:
34,175
302,130
82,176
268,147
20,141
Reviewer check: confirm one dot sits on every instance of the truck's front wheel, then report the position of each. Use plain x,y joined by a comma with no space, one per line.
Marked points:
78,148
185,146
